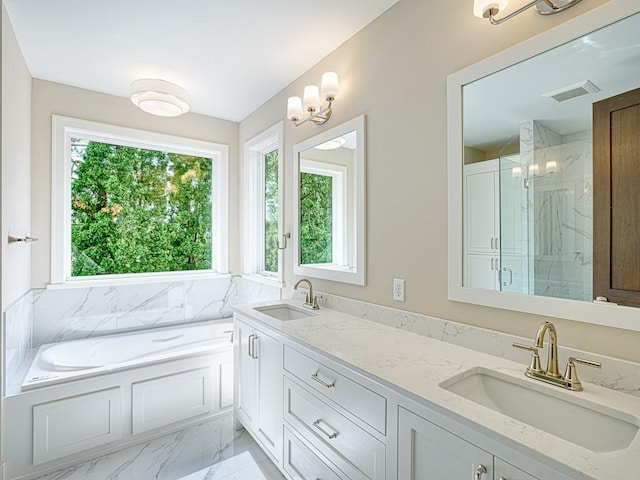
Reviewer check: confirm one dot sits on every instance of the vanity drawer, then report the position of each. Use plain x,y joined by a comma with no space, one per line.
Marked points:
301,463
365,404
355,451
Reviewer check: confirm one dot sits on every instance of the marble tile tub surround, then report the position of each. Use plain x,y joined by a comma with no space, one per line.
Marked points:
18,327
47,316
617,374
69,314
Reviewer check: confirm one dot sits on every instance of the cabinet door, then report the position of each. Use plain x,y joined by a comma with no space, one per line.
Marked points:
427,451
247,394
71,425
506,471
269,425
170,399
480,271
480,212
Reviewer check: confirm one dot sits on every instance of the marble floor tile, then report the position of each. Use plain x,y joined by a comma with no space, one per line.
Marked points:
210,451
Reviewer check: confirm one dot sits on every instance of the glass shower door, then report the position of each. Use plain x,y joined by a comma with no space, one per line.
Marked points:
514,229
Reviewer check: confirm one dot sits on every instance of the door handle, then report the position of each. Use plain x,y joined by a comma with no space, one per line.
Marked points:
507,269
249,345
253,347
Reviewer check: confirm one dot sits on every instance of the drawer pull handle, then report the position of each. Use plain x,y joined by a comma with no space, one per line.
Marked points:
330,436
481,470
322,382
249,344
254,353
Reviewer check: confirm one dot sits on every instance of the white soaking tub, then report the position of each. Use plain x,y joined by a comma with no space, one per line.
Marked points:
86,398
60,362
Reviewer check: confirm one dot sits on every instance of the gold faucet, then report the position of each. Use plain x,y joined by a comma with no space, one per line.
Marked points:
552,374
552,361
310,300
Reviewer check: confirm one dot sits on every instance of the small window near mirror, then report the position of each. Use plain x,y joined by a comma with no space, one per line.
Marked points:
263,205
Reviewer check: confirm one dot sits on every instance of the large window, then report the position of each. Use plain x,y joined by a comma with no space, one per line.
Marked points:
263,237
129,203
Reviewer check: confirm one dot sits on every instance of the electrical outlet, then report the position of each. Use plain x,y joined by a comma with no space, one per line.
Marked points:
398,289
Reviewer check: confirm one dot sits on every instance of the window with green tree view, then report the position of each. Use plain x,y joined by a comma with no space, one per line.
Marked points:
138,211
263,238
316,224
271,211
128,202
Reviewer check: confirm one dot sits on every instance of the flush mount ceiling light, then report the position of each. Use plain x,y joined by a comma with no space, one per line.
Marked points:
490,8
311,105
158,97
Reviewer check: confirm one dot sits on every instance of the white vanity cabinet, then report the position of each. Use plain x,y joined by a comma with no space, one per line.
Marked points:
321,417
258,384
427,451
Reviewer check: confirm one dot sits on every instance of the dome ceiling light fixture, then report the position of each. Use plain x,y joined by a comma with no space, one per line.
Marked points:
159,97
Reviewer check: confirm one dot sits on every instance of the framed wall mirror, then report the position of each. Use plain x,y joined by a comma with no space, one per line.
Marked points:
543,214
329,204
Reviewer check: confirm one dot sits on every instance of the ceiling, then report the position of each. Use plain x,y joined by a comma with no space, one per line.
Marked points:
230,55
496,105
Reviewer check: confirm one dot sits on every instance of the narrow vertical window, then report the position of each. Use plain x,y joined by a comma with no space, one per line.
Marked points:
272,206
263,235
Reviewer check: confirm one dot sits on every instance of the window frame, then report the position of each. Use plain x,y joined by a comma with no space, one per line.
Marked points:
254,209
63,129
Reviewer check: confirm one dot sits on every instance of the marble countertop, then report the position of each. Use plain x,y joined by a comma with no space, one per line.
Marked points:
418,364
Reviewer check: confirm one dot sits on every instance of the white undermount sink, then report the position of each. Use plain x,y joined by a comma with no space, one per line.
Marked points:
284,311
593,426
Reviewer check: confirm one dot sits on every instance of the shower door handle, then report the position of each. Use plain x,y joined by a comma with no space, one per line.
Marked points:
508,283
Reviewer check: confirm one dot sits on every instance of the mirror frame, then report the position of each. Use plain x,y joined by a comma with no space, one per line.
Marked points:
359,276
601,314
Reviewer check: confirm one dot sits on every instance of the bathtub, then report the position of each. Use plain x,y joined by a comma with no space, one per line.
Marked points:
61,362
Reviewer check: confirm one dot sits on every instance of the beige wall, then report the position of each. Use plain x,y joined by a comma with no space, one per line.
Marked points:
16,166
53,98
395,72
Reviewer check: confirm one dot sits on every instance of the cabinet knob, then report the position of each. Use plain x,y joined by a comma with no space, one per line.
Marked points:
480,471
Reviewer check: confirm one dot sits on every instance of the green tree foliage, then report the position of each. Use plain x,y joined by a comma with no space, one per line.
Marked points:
271,211
139,211
316,240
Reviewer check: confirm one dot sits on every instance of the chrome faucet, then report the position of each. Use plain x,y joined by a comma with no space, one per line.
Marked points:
310,300
552,374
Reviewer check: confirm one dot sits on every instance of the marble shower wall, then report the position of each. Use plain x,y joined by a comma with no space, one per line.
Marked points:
561,210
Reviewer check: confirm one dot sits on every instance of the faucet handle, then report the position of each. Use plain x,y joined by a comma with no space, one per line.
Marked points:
535,365
571,373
